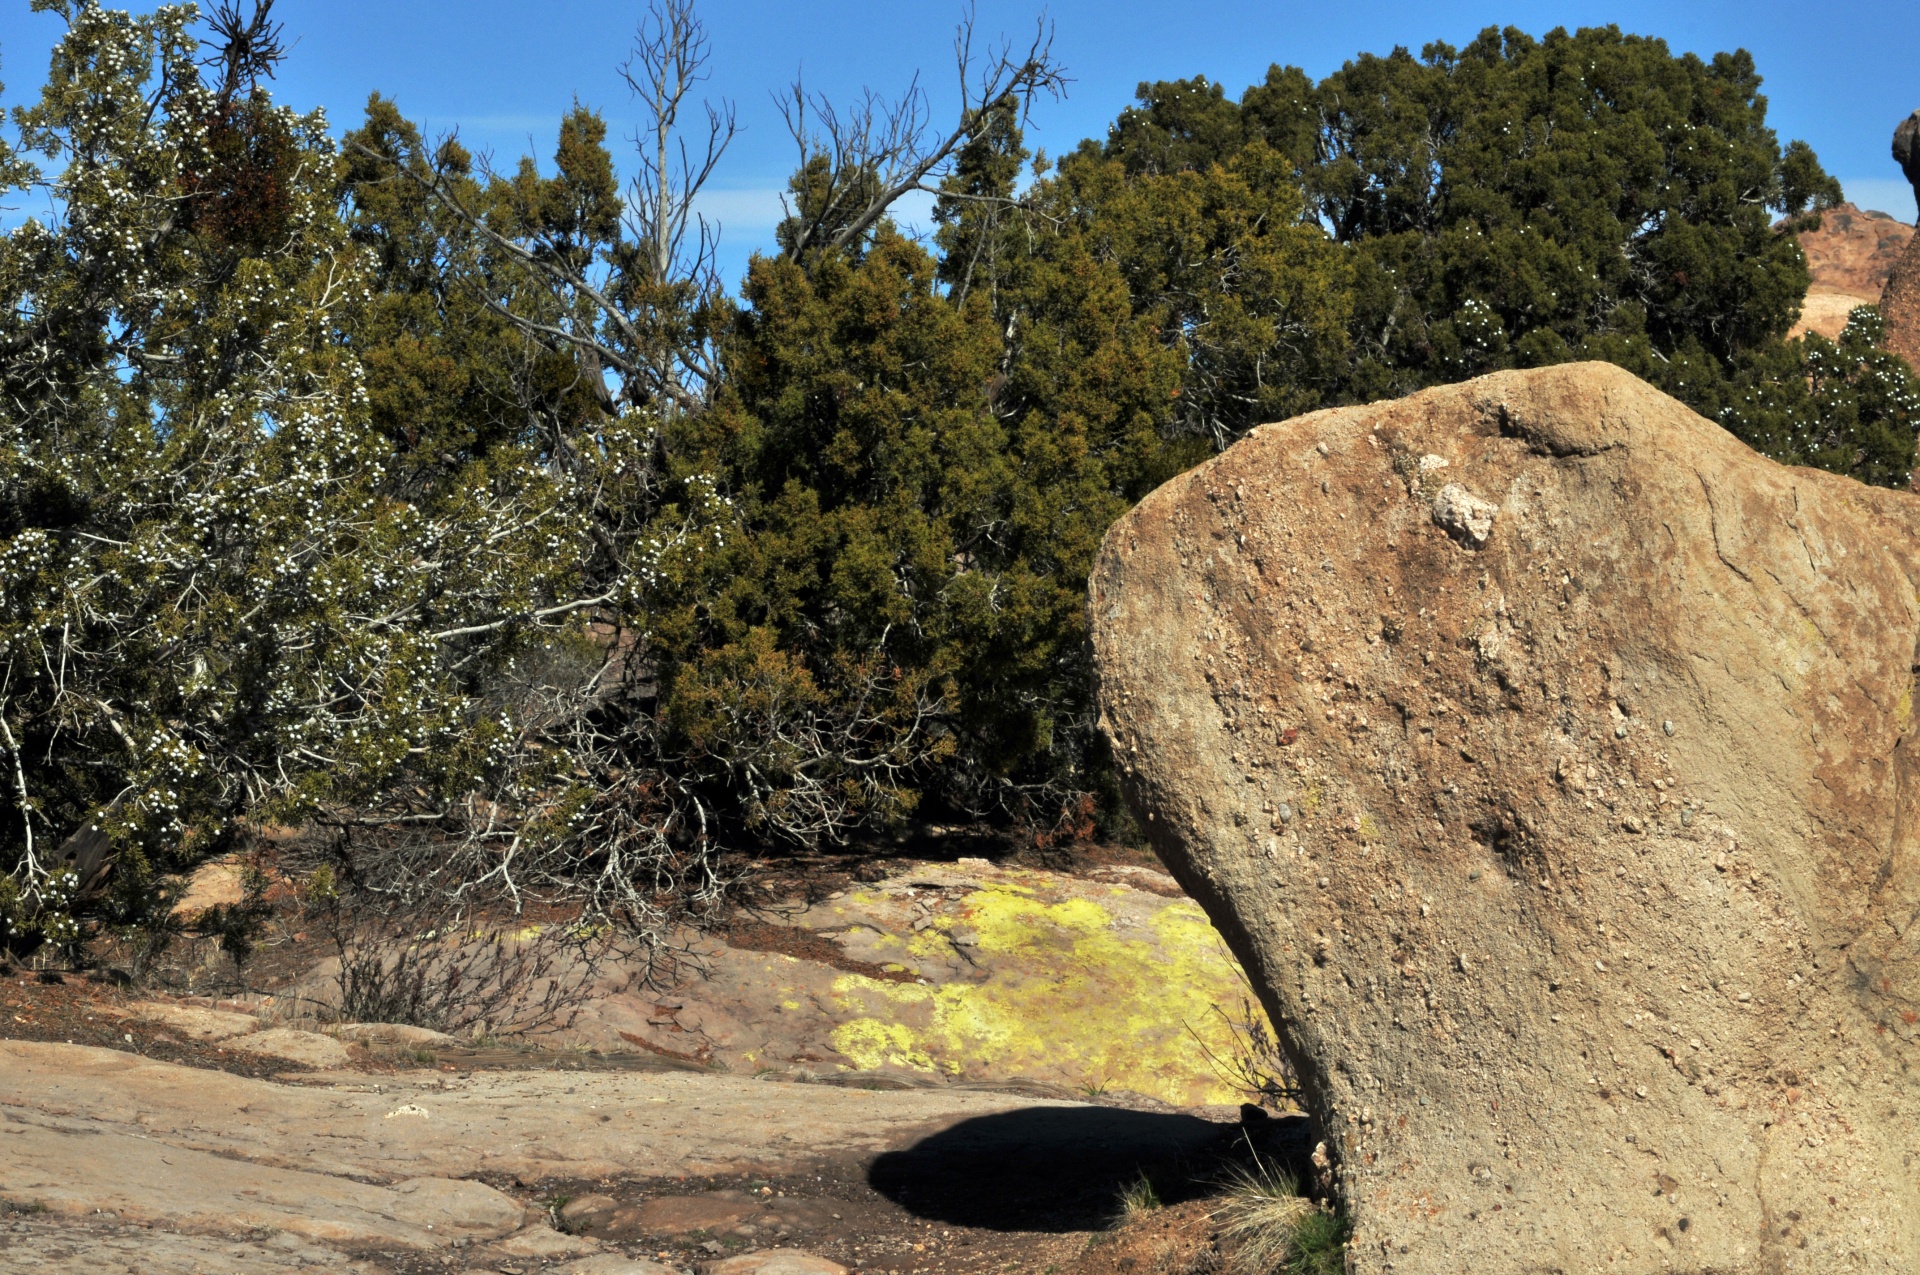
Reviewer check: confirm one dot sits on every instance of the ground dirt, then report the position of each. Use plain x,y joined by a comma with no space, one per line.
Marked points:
132,1139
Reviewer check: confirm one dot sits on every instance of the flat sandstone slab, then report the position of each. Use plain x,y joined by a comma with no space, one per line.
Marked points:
525,1125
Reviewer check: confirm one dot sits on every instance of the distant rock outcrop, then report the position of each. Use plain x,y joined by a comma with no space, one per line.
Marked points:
1906,152
1849,259
1854,250
1570,840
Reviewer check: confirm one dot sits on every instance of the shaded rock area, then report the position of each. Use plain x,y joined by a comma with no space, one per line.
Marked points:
1576,864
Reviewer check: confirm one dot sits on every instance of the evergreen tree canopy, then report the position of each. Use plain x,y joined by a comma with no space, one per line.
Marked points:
464,513
1521,202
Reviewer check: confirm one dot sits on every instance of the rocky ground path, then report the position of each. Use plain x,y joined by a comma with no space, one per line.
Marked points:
885,1077
111,1162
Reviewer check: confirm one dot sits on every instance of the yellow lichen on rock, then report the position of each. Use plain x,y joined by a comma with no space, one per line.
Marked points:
1069,985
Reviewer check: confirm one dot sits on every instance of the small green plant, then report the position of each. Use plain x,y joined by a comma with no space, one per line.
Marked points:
1319,1243
1139,1197
556,1205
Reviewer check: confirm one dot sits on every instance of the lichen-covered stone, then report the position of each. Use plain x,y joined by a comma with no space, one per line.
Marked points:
968,971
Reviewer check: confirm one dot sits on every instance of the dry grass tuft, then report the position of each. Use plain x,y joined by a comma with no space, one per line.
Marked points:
1269,1228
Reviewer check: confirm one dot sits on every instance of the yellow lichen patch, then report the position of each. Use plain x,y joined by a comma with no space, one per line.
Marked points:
1071,989
870,1044
1369,830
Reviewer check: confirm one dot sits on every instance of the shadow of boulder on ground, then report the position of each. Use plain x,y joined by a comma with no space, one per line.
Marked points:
1060,1169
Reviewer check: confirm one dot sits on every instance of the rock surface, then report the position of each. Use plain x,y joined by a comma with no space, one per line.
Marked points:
1849,259
612,1264
309,1049
517,1125
1900,302
46,1245
1576,865
967,972
392,1036
776,1261
193,1022
93,1141
1854,250
1900,305
1906,151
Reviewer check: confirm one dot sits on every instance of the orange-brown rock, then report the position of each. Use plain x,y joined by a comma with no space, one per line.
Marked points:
1548,758
1900,305
1854,250
1848,258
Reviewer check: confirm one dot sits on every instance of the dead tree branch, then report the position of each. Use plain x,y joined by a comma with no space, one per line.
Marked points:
857,163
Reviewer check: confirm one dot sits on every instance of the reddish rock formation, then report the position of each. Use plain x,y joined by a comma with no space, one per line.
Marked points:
1546,756
1849,259
1854,250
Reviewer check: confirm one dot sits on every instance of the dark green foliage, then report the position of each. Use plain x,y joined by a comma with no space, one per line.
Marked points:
1522,202
462,512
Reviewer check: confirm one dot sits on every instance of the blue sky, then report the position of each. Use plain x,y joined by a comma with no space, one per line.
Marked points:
1839,73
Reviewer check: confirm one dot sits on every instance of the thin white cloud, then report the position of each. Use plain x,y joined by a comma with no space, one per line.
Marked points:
743,210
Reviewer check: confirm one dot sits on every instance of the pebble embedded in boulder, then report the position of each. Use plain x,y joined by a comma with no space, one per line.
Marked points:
1468,517
1569,988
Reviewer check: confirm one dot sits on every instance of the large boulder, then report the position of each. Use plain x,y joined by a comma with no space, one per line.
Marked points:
1546,757
1900,300
1900,304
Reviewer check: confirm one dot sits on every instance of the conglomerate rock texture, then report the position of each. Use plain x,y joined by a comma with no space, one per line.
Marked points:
1547,758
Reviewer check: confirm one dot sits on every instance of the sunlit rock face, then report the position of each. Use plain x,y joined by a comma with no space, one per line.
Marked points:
1546,756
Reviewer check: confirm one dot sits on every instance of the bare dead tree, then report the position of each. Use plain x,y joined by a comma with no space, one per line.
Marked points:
635,307
856,163
247,47
670,55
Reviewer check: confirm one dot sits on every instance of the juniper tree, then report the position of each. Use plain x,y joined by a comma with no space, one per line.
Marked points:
1521,201
215,607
